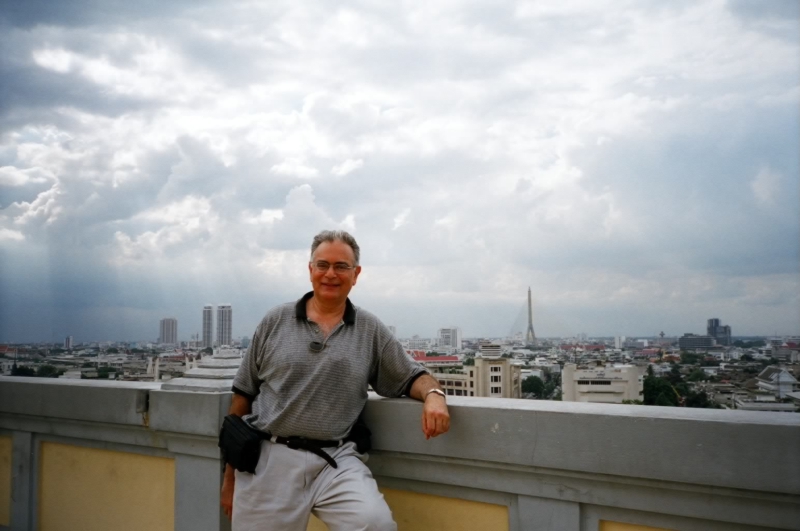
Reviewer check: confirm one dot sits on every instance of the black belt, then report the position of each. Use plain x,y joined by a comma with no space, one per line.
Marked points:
315,446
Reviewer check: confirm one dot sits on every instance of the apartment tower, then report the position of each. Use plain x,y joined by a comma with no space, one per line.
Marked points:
168,331
224,325
208,326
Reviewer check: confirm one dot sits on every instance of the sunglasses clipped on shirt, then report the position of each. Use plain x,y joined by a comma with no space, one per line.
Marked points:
338,267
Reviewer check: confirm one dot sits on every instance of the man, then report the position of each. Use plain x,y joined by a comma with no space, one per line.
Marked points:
306,375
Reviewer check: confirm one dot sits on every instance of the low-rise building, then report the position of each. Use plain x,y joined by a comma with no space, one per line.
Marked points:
610,384
693,341
776,381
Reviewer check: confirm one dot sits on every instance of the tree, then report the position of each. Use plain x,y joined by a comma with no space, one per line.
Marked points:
102,372
113,350
690,359
697,375
699,399
659,392
663,400
674,376
48,371
207,350
533,385
22,371
469,361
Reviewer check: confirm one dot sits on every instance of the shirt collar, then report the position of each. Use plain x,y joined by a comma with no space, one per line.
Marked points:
349,310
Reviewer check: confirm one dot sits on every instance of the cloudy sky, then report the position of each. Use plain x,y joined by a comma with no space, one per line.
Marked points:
635,163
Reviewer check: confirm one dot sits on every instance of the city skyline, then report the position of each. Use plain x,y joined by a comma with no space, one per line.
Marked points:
157,157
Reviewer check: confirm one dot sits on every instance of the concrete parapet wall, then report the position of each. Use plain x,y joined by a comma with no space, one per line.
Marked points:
542,465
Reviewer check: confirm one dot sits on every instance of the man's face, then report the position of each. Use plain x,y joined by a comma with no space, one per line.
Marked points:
330,285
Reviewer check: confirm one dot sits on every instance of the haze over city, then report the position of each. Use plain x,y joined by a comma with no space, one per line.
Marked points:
635,163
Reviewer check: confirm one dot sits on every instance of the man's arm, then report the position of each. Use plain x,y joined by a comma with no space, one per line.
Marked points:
435,417
240,406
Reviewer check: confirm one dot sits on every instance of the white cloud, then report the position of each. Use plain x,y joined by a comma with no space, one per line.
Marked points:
10,235
58,60
346,167
401,218
294,168
11,176
766,186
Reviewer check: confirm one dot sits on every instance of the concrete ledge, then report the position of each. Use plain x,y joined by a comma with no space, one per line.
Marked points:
189,412
97,401
701,447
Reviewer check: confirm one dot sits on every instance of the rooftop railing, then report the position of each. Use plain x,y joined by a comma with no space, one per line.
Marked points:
86,455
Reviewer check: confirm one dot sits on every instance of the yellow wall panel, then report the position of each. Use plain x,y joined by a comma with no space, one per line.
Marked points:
5,480
94,490
619,526
413,511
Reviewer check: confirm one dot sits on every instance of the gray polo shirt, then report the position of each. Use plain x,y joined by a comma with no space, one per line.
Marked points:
319,395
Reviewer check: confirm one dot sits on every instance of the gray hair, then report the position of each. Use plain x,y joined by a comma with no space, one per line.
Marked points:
336,235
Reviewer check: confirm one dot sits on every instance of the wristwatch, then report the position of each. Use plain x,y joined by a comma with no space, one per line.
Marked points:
438,392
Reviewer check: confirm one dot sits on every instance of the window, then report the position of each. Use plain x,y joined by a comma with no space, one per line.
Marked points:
471,374
495,390
449,391
471,393
495,369
472,384
458,392
583,382
495,379
601,382
457,384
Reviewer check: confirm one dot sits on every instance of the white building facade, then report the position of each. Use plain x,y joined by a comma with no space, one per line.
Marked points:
609,385
450,337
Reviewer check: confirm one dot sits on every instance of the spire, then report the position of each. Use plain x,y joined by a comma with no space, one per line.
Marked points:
530,336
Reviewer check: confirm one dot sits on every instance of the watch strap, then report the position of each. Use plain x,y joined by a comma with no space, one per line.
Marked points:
437,391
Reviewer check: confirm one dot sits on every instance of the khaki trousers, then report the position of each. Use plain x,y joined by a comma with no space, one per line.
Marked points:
289,485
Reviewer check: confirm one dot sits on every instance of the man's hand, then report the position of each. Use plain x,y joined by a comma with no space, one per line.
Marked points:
241,406
435,417
226,497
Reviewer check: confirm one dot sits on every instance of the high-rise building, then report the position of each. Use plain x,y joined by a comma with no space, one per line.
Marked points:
168,331
722,333
450,337
393,330
530,336
208,326
224,325
68,343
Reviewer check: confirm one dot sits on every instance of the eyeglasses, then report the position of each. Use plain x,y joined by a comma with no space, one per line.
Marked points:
338,267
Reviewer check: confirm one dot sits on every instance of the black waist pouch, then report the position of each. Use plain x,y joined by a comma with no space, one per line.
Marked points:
361,435
240,444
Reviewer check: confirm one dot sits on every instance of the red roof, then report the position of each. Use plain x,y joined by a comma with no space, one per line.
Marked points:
423,359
